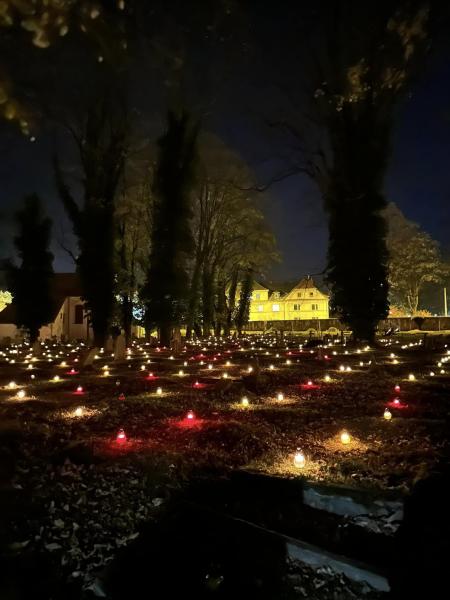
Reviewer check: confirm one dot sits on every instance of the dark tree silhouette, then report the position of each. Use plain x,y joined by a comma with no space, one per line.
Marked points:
30,282
243,308
370,55
363,56
102,149
167,285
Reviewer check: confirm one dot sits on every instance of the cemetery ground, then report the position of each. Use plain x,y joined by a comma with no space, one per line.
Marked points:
101,466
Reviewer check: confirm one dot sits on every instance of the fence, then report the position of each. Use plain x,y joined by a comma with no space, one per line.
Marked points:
334,326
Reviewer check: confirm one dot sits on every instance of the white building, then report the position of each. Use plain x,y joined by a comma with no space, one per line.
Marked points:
70,320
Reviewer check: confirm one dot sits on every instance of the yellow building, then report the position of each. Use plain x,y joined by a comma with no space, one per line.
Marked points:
304,301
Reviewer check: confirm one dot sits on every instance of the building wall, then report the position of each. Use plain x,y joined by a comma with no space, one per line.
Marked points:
305,326
66,326
299,304
63,327
8,330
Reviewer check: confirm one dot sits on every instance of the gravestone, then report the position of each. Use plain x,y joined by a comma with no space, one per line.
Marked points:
37,348
88,358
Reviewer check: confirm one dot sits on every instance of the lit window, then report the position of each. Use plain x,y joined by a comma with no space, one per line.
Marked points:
260,307
275,307
314,306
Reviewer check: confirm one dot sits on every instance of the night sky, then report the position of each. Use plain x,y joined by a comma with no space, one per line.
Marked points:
418,178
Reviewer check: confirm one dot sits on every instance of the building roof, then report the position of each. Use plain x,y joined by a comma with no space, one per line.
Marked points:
8,314
305,283
258,286
64,285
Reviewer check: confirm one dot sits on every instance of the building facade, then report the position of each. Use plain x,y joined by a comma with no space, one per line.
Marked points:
70,321
304,301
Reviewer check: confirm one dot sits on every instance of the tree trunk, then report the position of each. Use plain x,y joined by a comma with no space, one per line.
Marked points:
231,301
208,301
127,317
221,316
34,335
99,338
193,297
165,334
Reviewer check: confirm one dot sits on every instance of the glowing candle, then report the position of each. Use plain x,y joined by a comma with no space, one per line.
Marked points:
387,414
327,378
244,401
280,396
397,388
411,377
271,367
121,437
79,412
21,394
299,459
56,378
12,385
159,391
190,416
345,437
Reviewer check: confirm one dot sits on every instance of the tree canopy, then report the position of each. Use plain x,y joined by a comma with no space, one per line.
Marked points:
414,260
